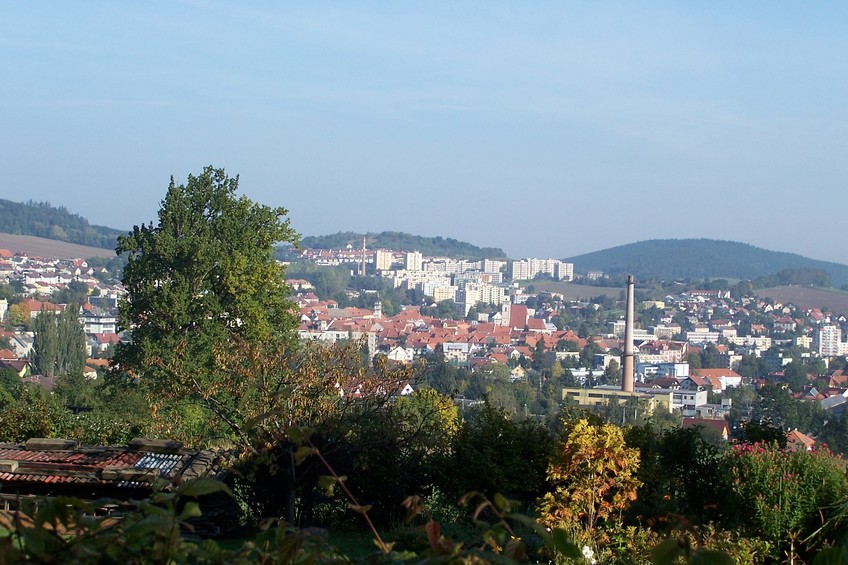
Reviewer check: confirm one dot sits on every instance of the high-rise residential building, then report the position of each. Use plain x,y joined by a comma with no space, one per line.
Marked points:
384,260
413,261
467,297
441,293
492,294
492,266
527,269
520,271
827,340
564,271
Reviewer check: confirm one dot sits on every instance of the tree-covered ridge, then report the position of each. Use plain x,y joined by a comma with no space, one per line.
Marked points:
40,219
700,258
400,241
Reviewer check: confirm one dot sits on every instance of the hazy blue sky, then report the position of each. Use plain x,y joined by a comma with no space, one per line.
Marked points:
544,128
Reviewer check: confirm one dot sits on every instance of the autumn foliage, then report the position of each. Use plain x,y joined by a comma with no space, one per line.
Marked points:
594,478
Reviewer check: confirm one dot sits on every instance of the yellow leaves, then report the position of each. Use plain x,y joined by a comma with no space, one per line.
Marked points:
595,475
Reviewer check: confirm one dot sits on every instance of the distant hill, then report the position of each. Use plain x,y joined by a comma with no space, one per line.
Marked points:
398,241
40,219
670,259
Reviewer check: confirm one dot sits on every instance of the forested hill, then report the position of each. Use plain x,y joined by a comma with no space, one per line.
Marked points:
399,241
700,258
40,219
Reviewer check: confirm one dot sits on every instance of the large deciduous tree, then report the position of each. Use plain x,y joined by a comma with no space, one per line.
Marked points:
200,279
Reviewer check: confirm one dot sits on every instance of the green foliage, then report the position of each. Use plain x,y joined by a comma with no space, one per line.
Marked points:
76,292
329,282
202,278
506,456
682,474
785,495
394,452
59,343
779,409
398,241
40,219
33,414
45,347
444,309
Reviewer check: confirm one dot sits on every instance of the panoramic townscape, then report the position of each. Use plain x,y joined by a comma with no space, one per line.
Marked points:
693,375
423,283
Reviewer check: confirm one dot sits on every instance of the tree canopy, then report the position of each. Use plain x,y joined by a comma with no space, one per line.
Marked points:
201,278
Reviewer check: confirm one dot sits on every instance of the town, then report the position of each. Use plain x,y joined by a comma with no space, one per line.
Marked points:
701,355
255,379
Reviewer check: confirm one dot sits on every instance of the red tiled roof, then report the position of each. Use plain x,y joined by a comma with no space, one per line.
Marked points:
35,463
717,373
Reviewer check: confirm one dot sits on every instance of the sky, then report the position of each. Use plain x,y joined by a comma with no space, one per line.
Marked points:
548,129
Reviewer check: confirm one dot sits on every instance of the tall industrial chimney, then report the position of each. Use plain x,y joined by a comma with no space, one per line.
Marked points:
363,256
627,376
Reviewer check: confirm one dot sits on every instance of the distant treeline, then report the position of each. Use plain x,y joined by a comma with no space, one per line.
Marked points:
399,241
40,219
680,259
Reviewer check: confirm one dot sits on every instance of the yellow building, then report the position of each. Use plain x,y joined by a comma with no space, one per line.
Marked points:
601,396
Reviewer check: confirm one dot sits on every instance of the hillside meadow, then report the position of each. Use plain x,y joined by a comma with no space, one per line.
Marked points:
808,297
51,248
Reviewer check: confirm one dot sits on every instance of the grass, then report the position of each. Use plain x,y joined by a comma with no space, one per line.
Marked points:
353,543
807,297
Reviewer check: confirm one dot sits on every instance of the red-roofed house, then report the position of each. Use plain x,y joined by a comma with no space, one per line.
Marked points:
724,377
36,306
799,440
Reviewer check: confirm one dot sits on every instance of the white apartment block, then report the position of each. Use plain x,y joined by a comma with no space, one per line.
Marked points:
430,287
384,260
418,280
664,332
470,294
491,294
702,337
492,266
564,271
413,261
469,277
527,269
449,266
757,342
617,328
827,341
440,293
520,271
